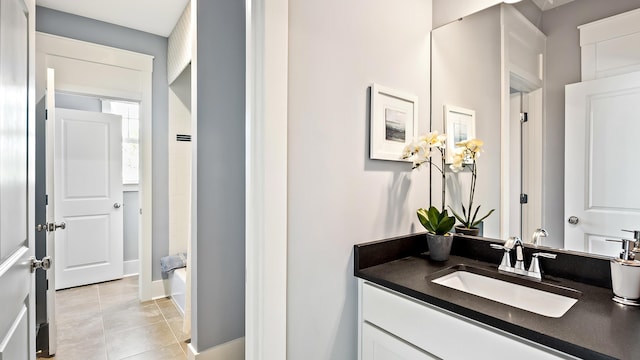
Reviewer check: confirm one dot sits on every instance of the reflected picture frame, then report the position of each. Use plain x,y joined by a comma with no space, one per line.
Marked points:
460,125
393,122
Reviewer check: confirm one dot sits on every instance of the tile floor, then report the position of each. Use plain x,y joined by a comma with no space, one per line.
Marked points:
107,322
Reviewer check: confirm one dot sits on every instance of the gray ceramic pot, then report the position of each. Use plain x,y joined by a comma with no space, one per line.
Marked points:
439,246
467,231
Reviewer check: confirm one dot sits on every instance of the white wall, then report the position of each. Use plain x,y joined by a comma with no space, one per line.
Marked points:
446,11
179,163
337,196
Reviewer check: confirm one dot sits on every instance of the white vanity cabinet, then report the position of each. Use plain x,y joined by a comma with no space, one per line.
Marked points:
378,344
393,326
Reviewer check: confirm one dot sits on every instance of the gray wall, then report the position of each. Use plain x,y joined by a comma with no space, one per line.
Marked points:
81,28
219,134
130,207
337,196
130,198
563,67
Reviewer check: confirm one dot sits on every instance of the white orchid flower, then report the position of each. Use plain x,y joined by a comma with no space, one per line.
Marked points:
458,160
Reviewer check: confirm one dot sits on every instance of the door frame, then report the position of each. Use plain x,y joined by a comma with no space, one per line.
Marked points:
52,45
267,46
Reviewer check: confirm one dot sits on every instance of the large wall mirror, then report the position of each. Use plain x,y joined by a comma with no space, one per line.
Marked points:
506,60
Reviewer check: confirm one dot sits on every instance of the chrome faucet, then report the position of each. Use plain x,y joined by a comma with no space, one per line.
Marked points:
636,240
516,243
539,233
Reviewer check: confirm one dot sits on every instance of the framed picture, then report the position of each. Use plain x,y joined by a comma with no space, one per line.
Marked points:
394,122
460,125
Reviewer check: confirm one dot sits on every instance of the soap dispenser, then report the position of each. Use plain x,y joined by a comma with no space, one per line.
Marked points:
625,273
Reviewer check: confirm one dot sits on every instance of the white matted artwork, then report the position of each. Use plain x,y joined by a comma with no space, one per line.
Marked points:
460,124
394,120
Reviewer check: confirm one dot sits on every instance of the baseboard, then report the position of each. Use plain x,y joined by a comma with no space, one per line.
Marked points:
159,289
131,268
231,350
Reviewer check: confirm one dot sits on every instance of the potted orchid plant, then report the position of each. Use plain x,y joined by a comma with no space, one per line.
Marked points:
437,222
467,153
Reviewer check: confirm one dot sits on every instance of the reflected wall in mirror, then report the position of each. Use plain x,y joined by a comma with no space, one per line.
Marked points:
475,67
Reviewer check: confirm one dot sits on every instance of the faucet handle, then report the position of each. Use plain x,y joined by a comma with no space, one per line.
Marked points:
506,258
534,268
544,255
539,233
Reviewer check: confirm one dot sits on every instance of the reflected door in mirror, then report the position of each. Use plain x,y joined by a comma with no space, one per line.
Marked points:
602,176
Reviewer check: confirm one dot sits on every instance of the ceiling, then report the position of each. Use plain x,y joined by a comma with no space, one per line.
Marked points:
550,4
152,16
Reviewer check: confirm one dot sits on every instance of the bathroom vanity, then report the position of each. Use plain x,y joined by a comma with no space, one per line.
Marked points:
404,314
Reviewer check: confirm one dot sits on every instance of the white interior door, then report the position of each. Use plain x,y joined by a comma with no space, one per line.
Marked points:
88,197
50,212
601,173
515,165
17,299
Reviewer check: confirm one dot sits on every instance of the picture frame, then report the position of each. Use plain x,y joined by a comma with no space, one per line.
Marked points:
393,122
460,125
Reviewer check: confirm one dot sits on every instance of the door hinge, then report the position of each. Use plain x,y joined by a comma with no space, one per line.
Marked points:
46,200
46,114
524,117
524,198
50,226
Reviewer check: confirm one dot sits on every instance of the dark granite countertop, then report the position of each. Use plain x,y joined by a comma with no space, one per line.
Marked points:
594,328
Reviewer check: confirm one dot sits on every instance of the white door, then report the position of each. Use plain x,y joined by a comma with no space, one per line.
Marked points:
50,213
602,195
87,197
17,233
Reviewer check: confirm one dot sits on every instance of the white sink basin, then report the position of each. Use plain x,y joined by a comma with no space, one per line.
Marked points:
519,296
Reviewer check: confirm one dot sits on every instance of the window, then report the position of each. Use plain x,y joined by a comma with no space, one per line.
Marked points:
130,136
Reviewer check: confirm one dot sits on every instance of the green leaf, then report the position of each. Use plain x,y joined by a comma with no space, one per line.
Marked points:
434,216
424,220
456,215
436,222
482,218
445,225
473,219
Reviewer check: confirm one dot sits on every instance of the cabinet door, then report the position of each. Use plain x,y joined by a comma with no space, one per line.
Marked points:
379,345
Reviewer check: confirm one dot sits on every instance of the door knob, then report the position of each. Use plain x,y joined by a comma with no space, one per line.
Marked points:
44,264
117,205
573,220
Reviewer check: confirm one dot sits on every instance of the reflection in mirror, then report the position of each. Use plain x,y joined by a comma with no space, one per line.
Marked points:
499,63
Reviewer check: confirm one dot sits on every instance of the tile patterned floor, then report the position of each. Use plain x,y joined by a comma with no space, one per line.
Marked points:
107,322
